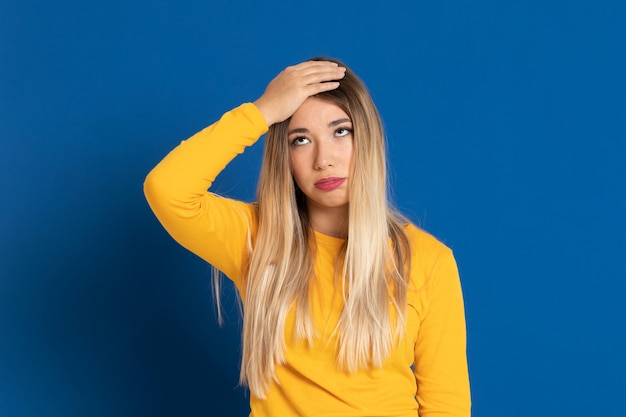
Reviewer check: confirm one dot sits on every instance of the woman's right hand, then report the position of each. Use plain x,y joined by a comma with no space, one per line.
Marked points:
286,93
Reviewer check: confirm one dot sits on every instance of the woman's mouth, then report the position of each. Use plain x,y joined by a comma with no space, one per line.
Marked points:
330,183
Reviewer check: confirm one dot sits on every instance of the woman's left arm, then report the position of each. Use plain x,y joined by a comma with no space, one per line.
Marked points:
440,351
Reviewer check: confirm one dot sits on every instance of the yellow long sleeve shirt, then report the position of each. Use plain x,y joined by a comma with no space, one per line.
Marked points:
426,372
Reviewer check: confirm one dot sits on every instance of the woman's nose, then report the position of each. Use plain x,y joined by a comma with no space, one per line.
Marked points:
323,157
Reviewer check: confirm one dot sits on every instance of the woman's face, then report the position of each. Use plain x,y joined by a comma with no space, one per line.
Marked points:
320,136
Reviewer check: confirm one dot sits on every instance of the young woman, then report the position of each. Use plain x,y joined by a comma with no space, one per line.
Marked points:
349,310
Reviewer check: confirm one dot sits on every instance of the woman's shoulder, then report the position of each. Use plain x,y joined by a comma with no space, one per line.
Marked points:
428,255
423,242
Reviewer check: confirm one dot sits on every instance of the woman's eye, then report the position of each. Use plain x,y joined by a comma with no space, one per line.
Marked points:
299,141
343,131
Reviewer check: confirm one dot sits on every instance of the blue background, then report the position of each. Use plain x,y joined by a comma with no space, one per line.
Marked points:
506,122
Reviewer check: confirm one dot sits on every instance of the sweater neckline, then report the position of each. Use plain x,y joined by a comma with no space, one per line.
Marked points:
328,240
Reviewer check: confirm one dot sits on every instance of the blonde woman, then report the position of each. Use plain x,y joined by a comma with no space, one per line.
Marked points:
349,309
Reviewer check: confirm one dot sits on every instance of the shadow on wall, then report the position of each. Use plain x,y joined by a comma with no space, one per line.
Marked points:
104,314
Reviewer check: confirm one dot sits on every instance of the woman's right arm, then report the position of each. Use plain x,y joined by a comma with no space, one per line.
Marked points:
212,227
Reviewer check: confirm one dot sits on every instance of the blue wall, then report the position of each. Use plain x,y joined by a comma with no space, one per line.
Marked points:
507,123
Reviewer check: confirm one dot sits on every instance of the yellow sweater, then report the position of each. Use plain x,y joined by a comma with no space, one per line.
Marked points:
427,369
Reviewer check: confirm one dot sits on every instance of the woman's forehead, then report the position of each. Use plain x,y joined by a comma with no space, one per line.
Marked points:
316,111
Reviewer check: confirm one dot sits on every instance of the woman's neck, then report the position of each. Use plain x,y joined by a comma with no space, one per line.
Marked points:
330,221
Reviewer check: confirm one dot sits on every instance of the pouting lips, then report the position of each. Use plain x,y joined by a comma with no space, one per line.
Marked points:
328,184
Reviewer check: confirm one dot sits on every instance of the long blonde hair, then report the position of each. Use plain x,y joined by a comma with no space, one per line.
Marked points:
376,255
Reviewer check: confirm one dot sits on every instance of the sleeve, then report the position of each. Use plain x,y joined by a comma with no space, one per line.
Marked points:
215,228
440,351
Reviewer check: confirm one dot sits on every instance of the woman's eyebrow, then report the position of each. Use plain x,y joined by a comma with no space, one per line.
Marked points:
298,130
338,122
